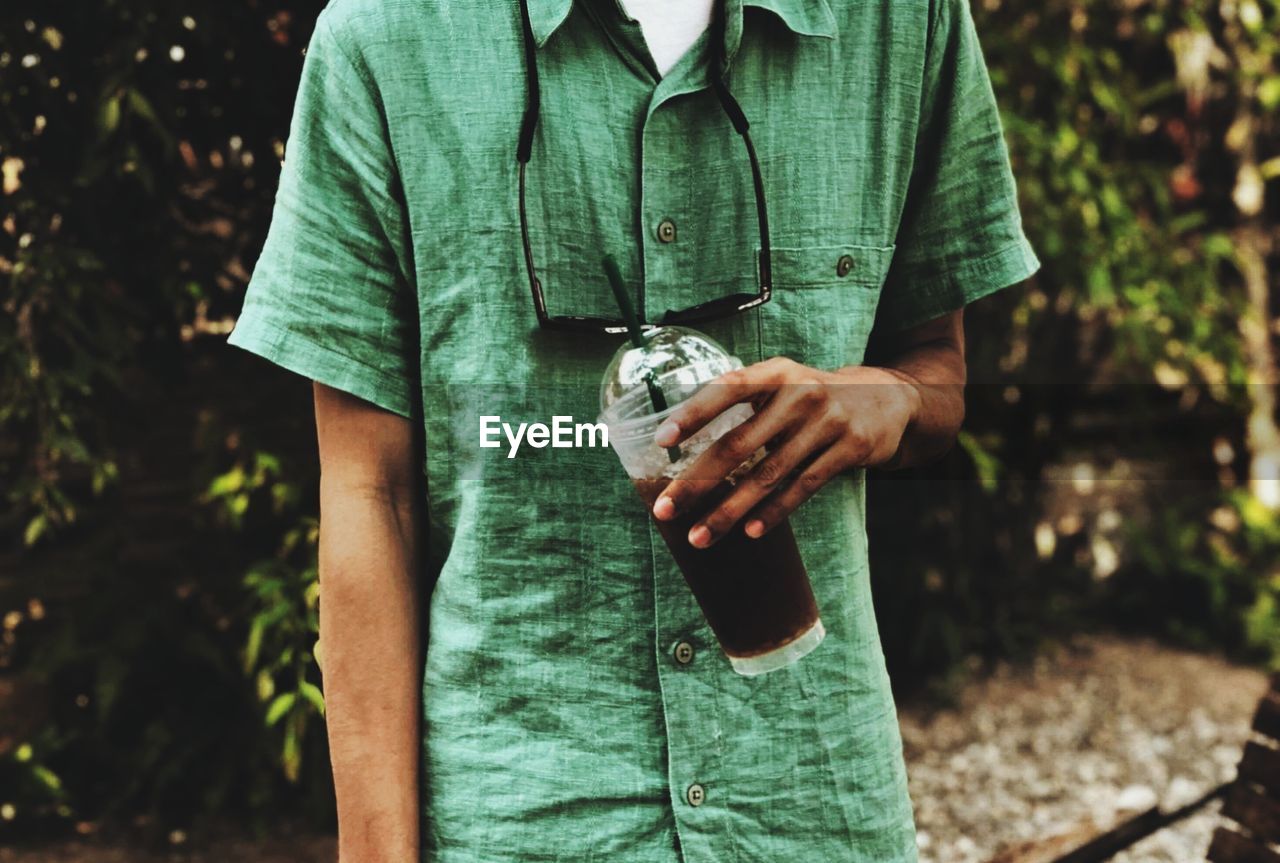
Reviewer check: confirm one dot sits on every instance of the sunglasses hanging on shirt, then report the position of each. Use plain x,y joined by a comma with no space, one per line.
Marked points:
711,310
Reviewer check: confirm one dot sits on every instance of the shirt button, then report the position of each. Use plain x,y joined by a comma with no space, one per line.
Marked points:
695,794
684,653
667,231
844,265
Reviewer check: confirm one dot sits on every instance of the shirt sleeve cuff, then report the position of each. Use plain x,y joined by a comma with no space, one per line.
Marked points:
296,353
926,298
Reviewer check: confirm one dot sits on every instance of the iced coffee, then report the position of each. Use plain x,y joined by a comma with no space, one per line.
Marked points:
755,593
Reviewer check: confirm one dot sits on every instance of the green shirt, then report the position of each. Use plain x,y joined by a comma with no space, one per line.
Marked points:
558,724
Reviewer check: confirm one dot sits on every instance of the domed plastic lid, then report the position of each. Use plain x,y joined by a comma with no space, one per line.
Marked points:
677,359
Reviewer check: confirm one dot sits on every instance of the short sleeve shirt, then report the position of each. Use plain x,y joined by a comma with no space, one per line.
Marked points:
560,722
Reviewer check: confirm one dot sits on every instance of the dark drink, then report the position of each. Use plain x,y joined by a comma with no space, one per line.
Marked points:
755,593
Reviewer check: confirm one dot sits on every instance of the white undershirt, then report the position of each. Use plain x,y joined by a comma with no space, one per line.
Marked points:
670,27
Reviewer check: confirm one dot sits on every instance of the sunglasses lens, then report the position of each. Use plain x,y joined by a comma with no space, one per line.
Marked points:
722,307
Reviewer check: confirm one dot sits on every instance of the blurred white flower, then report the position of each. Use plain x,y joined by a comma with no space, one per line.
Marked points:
11,170
1106,560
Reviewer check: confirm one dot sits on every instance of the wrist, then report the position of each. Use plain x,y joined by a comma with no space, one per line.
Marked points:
900,401
388,847
903,393
912,393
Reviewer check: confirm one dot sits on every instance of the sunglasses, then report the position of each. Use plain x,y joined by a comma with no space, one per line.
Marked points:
711,310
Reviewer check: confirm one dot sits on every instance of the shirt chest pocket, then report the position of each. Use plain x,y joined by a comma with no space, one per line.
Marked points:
824,303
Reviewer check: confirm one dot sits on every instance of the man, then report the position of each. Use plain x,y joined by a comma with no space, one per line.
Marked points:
572,703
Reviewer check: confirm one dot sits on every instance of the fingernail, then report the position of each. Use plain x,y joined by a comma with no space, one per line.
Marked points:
664,509
699,537
668,433
755,528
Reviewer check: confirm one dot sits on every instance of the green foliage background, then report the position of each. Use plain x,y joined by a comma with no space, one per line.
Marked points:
157,490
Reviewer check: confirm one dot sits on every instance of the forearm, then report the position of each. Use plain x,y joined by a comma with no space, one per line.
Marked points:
369,625
932,377
903,410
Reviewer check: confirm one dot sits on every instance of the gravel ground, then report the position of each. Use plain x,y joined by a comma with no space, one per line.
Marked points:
1095,731
1081,736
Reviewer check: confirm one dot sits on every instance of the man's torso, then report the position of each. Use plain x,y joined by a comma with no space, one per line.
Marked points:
557,725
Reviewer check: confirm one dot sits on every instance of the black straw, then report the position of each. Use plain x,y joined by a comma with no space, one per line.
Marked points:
624,303
638,338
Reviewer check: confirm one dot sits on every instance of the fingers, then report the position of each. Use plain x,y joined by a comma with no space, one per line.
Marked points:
777,508
723,393
775,472
725,455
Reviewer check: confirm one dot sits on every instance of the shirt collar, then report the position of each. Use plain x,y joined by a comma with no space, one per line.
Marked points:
546,16
804,17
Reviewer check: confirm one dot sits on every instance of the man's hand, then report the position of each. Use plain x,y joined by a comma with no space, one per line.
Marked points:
816,424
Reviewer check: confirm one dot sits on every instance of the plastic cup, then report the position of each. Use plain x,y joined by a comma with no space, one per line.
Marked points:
755,593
